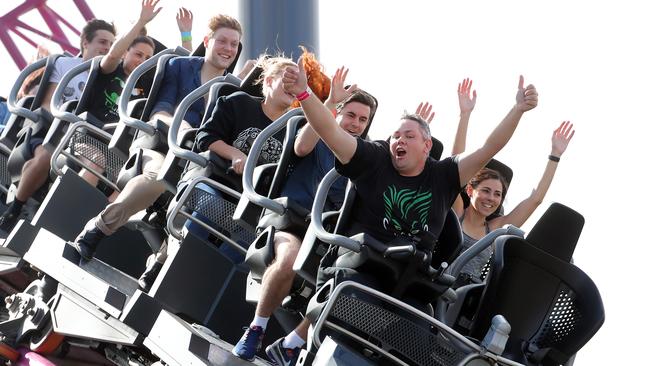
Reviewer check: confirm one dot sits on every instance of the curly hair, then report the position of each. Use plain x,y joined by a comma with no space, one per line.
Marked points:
318,82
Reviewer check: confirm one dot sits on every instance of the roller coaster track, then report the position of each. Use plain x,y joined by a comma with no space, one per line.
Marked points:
53,28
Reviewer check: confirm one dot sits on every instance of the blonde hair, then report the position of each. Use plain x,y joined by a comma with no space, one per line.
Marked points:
272,67
223,21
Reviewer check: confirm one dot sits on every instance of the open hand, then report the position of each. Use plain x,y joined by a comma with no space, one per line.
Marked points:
561,138
425,111
184,19
338,92
526,97
149,10
466,98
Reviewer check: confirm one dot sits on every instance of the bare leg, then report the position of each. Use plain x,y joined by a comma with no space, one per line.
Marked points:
278,278
35,173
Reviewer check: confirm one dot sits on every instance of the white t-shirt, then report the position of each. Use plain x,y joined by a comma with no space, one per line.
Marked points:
76,85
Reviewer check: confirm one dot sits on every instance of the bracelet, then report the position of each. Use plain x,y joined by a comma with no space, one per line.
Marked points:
554,158
304,95
186,36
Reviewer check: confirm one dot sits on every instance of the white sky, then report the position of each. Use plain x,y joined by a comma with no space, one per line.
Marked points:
589,64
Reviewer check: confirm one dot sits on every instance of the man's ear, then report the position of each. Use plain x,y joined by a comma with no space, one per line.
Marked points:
428,144
206,40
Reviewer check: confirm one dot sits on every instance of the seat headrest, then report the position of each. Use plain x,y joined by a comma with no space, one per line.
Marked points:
557,231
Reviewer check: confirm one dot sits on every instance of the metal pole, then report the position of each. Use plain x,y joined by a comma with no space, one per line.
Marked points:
280,25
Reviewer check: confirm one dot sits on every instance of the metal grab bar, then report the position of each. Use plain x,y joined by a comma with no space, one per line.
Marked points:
181,109
317,213
123,102
13,94
60,150
253,155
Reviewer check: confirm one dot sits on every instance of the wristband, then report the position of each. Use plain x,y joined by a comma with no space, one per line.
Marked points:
186,36
304,95
554,158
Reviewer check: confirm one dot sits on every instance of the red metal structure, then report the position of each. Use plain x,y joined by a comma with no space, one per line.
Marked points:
11,24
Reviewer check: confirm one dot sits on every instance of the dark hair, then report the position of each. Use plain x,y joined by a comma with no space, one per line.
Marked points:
223,21
145,40
89,31
424,126
359,96
485,174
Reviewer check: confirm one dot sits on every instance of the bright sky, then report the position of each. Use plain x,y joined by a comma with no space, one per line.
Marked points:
588,62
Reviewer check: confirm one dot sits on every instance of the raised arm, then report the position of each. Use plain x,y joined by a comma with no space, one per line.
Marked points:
466,102
342,144
471,163
559,142
112,59
307,138
184,19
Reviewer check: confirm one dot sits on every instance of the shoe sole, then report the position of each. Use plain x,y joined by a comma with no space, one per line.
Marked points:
243,358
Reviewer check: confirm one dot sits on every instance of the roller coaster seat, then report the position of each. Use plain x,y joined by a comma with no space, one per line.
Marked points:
553,307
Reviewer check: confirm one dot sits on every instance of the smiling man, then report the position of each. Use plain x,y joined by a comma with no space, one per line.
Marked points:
182,76
401,192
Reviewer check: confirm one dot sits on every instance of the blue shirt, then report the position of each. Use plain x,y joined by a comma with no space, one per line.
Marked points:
303,182
4,113
182,76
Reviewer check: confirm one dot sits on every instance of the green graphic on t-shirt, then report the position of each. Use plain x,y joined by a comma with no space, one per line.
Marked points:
112,96
406,210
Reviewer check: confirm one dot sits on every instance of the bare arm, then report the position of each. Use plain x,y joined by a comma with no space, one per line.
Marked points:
231,153
49,93
184,19
112,59
471,163
559,142
308,138
342,144
466,104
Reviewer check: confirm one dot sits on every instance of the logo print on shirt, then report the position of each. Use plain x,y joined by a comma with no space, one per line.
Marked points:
406,210
271,149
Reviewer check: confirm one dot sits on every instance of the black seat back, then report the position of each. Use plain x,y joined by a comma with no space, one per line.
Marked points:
557,231
553,307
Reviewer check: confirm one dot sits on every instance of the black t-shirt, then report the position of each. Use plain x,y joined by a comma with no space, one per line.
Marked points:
389,205
106,93
236,120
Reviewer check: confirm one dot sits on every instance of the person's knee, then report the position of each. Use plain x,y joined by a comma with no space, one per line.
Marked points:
42,157
286,250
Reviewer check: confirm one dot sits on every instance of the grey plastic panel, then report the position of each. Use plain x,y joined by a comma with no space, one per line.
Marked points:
47,254
75,316
177,343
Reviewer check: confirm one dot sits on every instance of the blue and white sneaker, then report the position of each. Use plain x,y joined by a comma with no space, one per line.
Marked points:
279,355
249,344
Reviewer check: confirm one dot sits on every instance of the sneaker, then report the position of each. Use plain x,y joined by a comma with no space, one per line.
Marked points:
87,242
8,220
279,355
149,276
250,343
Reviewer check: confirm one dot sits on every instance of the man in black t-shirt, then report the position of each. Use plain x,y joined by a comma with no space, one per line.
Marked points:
400,190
